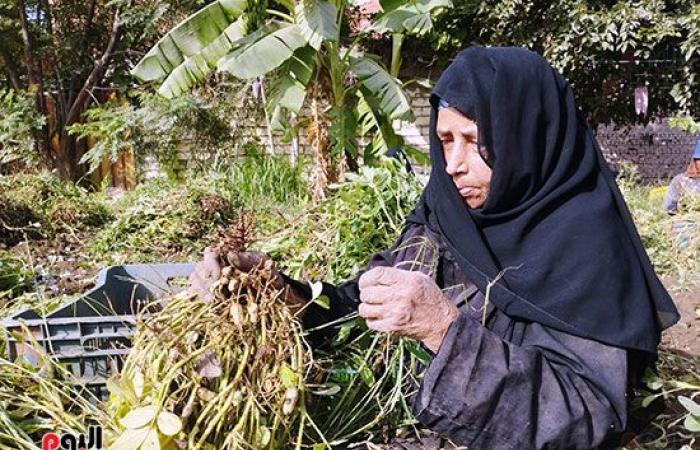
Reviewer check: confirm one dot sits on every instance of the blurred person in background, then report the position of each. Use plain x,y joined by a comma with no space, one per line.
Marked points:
687,182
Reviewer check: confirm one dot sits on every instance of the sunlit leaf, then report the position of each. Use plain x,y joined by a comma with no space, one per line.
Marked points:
188,38
139,417
131,439
168,423
288,377
317,21
385,88
689,404
262,51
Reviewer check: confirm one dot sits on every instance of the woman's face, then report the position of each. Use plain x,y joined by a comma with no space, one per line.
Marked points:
464,158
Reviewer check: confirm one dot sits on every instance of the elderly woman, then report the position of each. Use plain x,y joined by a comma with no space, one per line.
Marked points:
520,205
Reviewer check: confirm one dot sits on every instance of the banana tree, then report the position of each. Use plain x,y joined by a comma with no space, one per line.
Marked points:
299,49
401,18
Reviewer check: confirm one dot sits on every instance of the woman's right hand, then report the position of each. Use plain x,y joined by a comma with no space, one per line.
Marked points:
208,270
205,273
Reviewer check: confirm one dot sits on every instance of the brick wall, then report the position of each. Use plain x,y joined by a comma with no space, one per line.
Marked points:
658,151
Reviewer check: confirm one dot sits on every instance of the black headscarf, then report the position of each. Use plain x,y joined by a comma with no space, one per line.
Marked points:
554,217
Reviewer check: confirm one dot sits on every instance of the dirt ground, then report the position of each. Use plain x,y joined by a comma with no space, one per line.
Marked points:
685,335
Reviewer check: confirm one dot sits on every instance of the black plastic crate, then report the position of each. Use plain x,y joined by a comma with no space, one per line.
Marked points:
91,336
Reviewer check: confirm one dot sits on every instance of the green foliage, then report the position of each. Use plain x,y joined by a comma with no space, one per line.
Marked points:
18,123
165,220
656,227
159,221
605,49
15,277
685,123
150,124
260,179
366,377
41,205
334,240
300,49
676,382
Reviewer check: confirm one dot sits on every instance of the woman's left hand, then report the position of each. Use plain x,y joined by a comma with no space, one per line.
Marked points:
406,303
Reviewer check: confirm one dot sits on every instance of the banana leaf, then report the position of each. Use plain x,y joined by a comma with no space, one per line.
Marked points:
372,123
263,50
412,18
198,66
188,38
288,89
317,21
386,89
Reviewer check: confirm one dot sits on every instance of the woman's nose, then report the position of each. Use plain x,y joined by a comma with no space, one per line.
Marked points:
455,160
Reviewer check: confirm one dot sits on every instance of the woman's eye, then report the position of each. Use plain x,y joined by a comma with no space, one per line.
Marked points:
483,152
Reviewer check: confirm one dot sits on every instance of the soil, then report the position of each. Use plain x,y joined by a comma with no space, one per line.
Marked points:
60,263
685,335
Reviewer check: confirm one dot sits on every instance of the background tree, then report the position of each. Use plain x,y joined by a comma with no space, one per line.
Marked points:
309,59
70,54
604,48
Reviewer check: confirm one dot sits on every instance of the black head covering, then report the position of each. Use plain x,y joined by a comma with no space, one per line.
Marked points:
554,216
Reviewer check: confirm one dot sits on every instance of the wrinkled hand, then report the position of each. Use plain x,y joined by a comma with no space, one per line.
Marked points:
406,303
205,273
209,270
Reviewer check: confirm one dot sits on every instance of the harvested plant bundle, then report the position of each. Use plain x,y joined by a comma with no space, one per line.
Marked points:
43,399
372,372
223,374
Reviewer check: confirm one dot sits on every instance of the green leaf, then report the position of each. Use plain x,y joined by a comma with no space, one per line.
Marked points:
418,24
121,388
375,124
689,404
188,38
139,381
327,390
263,51
419,156
152,442
343,131
393,21
367,376
692,423
652,380
383,87
194,69
317,21
288,377
418,351
414,18
131,439
646,401
344,332
264,436
323,301
288,89
168,423
139,417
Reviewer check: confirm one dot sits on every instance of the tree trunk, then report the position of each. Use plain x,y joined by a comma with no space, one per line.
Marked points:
317,134
11,69
71,149
42,141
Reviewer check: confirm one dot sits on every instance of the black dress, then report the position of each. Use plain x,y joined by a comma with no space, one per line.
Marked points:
507,384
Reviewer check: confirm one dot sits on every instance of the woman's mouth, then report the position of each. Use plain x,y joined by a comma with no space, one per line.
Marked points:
468,191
